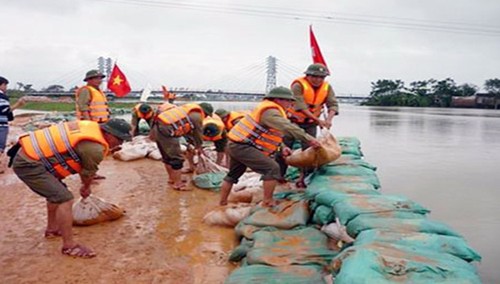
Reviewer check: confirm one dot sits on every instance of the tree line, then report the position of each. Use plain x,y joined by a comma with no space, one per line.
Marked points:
429,93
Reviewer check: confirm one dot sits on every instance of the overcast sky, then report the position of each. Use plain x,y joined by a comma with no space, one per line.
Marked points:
224,44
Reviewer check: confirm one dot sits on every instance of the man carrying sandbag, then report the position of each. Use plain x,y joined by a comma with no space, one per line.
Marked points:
256,137
312,93
169,126
141,111
41,159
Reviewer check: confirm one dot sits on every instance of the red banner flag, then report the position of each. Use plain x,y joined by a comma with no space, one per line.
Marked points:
316,52
118,83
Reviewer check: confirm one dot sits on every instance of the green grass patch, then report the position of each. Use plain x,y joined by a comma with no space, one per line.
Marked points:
66,107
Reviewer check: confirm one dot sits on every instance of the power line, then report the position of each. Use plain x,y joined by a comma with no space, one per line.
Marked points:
310,15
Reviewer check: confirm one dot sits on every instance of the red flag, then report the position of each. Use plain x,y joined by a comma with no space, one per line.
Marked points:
316,52
118,83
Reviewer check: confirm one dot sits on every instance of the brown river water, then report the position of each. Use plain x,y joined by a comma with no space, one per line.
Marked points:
446,159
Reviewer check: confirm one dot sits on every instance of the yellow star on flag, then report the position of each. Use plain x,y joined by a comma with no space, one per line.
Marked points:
117,80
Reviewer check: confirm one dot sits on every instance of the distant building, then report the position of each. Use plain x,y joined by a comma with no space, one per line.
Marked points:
479,100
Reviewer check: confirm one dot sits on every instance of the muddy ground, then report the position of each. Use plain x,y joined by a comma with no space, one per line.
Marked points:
160,240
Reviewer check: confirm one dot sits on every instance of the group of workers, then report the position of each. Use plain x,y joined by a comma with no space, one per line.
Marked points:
257,139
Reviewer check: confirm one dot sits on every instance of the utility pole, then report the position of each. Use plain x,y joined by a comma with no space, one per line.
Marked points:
271,73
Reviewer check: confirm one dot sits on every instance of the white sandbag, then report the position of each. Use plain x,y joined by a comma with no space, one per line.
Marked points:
131,152
140,147
93,210
248,195
248,180
228,215
337,231
328,152
155,155
207,165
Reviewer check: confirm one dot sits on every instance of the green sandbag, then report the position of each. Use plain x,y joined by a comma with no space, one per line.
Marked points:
334,179
394,224
347,160
320,184
438,243
293,274
211,181
347,170
286,215
292,173
349,140
323,215
348,208
304,246
329,198
385,263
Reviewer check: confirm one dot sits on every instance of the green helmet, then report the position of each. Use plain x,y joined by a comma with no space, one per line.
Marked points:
118,128
93,74
145,108
280,93
208,109
317,69
222,112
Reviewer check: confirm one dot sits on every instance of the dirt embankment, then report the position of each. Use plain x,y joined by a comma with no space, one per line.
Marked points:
161,239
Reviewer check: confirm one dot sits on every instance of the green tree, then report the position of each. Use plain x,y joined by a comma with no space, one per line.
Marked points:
443,91
492,86
467,90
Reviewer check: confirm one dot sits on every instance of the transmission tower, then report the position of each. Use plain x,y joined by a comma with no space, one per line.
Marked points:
109,65
101,64
271,73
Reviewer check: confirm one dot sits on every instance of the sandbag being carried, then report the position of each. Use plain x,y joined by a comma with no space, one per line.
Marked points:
93,210
328,152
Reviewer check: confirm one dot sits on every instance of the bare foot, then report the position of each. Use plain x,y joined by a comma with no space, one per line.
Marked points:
52,234
182,186
270,203
97,177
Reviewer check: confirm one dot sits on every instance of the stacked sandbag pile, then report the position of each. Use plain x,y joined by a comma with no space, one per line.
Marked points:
93,210
277,246
381,238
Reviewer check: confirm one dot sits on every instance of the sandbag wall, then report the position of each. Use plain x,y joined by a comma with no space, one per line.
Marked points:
395,241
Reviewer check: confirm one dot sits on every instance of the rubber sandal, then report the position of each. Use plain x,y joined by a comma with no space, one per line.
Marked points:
78,251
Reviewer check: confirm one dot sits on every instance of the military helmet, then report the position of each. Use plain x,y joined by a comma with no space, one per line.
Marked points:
222,112
280,93
93,74
118,128
208,109
145,108
317,69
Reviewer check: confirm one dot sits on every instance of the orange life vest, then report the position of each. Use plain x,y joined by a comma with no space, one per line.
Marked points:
98,105
249,129
141,115
314,100
58,143
214,119
233,118
165,106
178,118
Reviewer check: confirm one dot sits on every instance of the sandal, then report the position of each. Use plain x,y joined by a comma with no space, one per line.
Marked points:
52,234
181,187
79,251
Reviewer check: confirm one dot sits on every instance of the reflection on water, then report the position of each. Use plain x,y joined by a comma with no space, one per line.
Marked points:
446,159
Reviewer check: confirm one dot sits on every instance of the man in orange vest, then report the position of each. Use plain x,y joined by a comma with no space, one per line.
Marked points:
214,130
230,118
43,158
91,102
180,121
141,111
312,93
256,137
